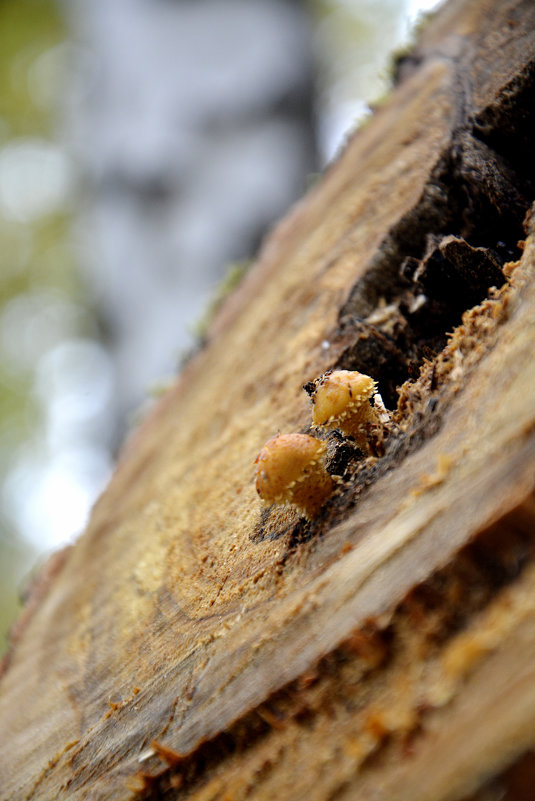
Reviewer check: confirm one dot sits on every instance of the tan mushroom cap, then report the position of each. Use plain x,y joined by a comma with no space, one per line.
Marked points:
340,394
283,461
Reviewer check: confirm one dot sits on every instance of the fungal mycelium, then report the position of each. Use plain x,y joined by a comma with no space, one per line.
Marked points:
290,469
343,399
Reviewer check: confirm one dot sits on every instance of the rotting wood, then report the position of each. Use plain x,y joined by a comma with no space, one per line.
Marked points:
194,645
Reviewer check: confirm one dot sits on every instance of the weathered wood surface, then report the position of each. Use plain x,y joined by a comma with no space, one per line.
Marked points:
386,650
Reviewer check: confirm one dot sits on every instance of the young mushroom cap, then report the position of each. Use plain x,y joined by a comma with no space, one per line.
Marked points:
290,469
341,399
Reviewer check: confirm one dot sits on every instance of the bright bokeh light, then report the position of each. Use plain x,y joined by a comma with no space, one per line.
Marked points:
57,476
47,72
32,323
74,385
419,7
355,41
35,179
50,495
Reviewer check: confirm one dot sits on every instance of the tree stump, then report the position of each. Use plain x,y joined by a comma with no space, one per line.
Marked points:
195,644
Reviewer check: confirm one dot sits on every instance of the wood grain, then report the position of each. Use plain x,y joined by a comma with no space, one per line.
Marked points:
282,658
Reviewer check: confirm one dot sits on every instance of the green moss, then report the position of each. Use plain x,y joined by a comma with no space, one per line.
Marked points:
422,21
34,254
232,278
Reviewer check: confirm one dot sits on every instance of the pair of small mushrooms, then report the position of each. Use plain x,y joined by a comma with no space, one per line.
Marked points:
290,468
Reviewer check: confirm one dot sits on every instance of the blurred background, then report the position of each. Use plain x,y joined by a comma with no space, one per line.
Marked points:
146,148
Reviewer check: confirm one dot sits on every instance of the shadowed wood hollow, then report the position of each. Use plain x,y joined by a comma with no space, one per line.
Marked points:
198,644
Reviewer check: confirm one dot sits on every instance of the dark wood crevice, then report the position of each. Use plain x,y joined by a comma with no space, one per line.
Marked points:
442,258
516,783
448,260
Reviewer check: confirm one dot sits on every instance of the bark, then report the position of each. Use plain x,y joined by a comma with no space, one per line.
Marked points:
194,644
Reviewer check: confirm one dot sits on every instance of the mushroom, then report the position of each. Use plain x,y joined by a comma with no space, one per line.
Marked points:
341,399
290,469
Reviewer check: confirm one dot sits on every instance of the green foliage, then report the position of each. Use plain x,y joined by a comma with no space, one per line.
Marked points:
29,28
34,250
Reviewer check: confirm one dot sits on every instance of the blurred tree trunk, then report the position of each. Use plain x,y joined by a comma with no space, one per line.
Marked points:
192,123
195,645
